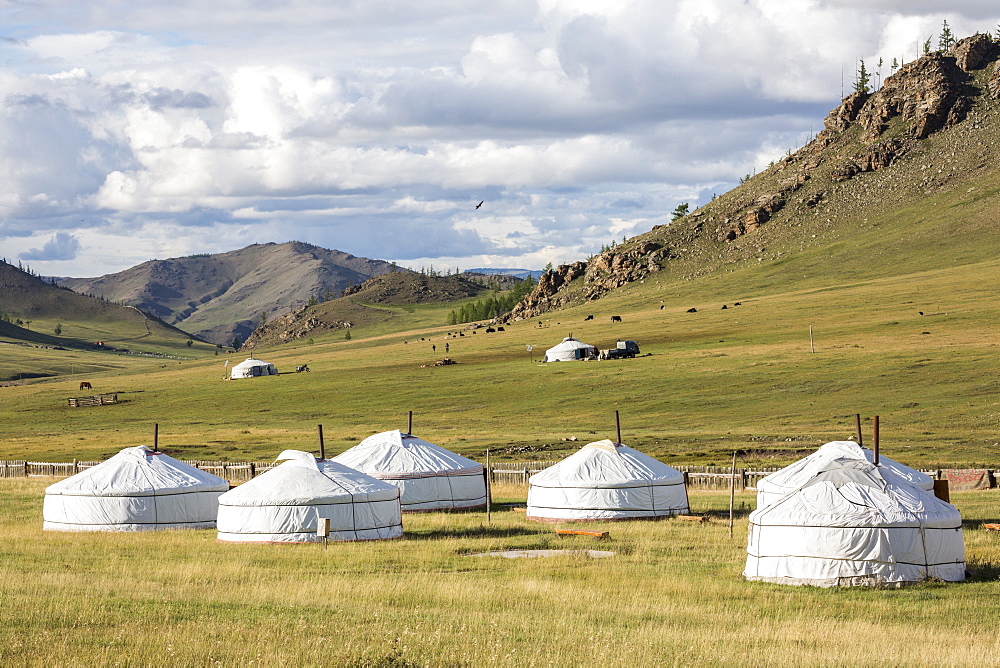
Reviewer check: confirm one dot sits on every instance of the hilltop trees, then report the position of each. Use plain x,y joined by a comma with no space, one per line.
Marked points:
946,39
863,80
493,306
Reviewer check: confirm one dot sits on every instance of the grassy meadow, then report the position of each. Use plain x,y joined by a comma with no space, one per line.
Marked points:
743,378
671,595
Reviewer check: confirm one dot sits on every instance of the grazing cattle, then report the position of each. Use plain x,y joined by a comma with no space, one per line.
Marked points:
738,304
304,367
724,306
85,385
662,307
692,310
589,317
616,318
501,329
490,330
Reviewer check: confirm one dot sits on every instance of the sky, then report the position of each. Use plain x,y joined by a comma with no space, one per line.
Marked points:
142,130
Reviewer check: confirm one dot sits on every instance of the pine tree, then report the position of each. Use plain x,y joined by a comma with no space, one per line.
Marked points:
862,80
927,46
680,211
946,39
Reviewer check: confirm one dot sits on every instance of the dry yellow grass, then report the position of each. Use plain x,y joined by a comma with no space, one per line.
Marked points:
672,595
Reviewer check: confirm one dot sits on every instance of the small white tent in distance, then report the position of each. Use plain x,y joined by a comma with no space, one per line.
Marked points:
849,525
774,486
569,350
429,477
284,505
606,481
136,490
252,368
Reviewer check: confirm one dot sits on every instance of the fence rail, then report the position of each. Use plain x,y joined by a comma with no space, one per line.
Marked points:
518,473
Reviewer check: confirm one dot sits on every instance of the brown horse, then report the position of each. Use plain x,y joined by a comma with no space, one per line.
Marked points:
85,385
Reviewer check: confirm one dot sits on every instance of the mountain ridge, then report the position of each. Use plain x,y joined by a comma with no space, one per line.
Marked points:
219,297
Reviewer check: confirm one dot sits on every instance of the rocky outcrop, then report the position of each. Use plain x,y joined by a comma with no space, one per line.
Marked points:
843,116
993,81
591,280
545,296
291,326
972,53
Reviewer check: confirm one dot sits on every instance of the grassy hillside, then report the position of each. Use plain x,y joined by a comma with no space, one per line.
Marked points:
59,330
714,381
395,301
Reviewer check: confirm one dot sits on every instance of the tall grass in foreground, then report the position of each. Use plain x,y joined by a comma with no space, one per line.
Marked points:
673,594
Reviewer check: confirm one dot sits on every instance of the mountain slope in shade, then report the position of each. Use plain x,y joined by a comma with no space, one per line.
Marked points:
31,310
222,296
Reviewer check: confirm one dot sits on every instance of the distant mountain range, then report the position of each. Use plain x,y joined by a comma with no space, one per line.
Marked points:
224,296
516,273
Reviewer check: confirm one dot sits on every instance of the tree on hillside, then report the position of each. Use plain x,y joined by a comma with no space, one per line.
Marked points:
895,65
863,79
946,39
927,46
680,211
58,329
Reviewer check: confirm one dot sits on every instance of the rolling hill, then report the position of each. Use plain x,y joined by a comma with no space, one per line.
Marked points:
377,300
900,180
38,317
222,296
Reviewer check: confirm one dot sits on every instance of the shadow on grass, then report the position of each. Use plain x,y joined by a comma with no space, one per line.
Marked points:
473,532
982,571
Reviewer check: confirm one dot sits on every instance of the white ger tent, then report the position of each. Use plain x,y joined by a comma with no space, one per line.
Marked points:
251,368
570,349
606,481
773,487
136,490
429,477
849,525
284,505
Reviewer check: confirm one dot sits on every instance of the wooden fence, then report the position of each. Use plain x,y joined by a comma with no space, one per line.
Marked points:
518,473
698,477
95,400
234,472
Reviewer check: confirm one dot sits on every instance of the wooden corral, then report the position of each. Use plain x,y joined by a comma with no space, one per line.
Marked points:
94,400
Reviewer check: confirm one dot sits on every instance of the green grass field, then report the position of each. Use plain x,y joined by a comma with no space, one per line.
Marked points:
744,378
672,595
